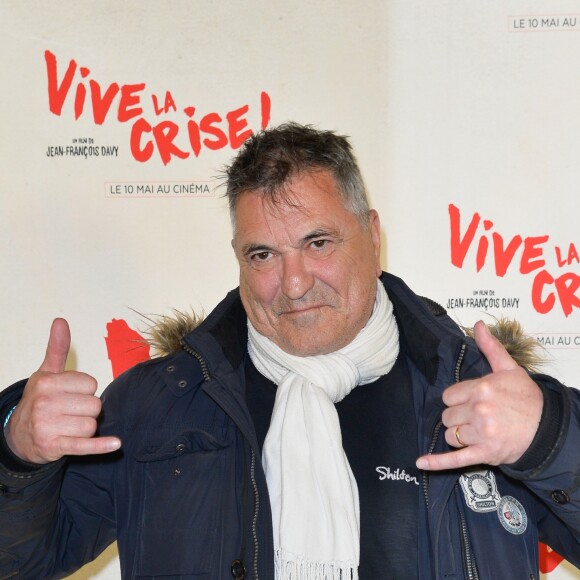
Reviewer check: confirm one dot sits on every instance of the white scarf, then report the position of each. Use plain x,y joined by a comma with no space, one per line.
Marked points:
314,496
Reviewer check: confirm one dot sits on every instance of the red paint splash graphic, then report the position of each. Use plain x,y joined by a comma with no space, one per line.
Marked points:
125,346
549,560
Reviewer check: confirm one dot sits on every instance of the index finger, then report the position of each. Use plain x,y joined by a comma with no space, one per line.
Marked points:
458,393
78,383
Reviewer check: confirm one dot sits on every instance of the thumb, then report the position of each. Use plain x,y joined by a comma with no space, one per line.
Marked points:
493,350
57,348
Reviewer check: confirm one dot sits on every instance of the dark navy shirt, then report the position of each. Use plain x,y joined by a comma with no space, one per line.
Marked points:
379,436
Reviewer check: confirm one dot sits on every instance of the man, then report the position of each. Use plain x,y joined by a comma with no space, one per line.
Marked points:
378,423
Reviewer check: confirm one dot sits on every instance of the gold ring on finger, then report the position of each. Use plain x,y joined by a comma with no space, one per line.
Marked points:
461,444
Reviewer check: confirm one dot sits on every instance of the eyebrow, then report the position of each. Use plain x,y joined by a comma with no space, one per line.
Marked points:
251,248
322,233
315,234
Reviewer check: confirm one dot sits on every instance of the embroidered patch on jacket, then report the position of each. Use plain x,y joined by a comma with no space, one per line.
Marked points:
512,515
480,490
396,475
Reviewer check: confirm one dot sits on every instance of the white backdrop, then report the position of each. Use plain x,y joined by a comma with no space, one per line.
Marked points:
462,114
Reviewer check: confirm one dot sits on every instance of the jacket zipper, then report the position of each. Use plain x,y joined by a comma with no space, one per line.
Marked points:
437,428
471,567
425,474
459,362
206,377
256,513
199,358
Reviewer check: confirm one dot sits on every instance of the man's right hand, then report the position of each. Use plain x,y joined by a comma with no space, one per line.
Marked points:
58,412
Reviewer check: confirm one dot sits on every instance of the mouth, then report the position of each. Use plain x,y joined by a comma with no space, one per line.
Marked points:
301,310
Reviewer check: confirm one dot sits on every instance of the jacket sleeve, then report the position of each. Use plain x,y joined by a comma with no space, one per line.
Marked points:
551,468
57,517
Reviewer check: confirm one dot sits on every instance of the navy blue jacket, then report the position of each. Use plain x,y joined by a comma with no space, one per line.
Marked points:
186,496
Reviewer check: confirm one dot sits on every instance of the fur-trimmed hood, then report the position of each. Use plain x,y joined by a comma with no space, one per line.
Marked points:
166,332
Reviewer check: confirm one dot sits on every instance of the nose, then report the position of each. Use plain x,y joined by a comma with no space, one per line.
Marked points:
297,279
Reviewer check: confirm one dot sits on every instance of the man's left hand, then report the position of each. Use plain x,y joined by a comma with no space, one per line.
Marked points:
491,420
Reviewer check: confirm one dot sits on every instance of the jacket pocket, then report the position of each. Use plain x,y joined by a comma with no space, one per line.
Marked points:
182,489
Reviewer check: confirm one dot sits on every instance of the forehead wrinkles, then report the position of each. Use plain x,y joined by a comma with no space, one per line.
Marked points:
287,196
290,208
267,212
264,224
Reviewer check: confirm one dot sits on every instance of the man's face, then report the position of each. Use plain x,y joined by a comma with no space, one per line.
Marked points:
308,269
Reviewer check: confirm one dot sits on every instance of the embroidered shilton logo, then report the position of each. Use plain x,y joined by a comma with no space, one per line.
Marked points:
395,475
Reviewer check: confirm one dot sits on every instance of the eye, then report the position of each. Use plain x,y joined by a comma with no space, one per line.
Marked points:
260,256
321,248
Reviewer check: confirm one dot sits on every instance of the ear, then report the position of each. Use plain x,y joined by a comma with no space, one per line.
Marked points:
375,231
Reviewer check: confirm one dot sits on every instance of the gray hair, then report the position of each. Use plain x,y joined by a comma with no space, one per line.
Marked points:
270,159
